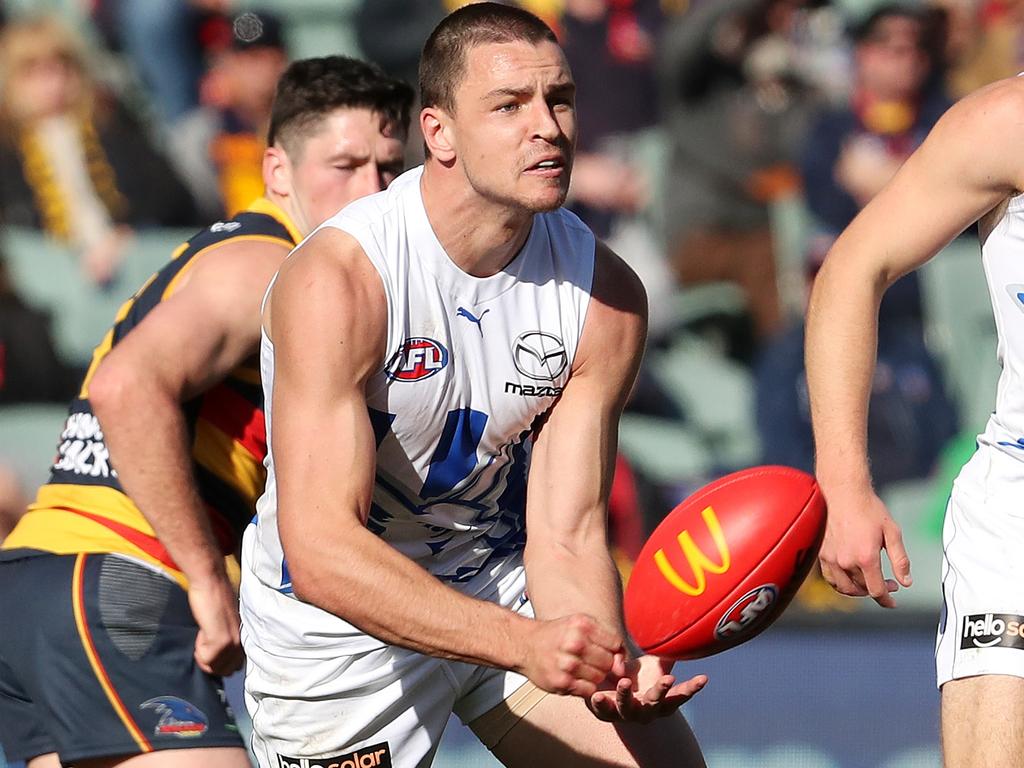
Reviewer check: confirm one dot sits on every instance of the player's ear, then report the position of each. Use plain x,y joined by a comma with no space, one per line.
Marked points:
437,133
277,171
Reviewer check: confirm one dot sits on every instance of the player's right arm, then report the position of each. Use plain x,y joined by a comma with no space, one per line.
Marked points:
327,319
968,165
191,340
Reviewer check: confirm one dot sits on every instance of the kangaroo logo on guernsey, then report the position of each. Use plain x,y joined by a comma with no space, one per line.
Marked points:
373,756
419,358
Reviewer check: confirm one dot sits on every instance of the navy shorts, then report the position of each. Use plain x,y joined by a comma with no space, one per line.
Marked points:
96,661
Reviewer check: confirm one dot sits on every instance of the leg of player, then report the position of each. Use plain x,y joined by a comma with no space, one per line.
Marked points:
49,760
982,720
560,731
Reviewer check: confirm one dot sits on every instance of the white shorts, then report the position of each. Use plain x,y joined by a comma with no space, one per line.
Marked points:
981,629
383,707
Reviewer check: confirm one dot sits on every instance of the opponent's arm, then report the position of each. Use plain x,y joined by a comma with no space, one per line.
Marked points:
188,342
328,322
969,163
569,568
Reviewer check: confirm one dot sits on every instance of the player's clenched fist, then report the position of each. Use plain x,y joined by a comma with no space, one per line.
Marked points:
571,655
215,608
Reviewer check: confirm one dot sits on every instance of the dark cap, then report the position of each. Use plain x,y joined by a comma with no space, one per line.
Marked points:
256,29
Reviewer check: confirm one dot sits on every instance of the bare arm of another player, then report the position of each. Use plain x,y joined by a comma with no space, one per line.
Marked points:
328,323
967,166
190,341
569,567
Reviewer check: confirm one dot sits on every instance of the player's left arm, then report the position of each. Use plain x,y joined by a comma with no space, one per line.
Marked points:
569,568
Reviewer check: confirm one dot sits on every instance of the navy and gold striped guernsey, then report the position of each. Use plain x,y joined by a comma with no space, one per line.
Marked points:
82,508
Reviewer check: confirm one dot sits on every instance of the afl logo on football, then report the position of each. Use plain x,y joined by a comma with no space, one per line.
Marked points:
419,358
539,356
747,612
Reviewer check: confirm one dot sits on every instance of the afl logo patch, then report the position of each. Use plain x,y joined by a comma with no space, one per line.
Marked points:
747,612
539,356
419,358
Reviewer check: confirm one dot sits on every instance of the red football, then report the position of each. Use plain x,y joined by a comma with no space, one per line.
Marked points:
725,563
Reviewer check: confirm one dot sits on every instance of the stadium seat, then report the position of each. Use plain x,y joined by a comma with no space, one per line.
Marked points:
663,451
717,396
960,329
791,228
29,435
314,27
48,275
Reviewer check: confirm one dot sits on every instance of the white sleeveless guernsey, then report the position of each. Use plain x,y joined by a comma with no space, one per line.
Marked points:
1003,259
983,534
471,363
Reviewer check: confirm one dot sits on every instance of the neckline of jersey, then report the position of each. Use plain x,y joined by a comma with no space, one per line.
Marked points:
448,273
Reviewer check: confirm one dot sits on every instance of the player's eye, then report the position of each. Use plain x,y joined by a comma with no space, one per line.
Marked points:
511,106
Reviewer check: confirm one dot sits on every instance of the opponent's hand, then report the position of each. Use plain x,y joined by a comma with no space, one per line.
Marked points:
571,655
859,527
215,608
641,690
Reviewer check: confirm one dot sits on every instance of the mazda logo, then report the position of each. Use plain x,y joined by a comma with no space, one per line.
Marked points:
539,356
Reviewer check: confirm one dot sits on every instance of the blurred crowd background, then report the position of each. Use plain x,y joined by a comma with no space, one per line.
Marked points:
723,146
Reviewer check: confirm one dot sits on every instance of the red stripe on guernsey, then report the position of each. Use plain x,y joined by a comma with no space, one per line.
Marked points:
147,544
237,418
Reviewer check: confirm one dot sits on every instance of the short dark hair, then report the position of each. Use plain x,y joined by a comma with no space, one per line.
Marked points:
443,62
867,29
311,88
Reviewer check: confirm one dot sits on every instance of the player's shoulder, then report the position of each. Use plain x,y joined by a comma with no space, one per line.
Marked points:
615,282
997,107
378,209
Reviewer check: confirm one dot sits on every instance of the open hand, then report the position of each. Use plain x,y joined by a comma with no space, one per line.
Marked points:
641,690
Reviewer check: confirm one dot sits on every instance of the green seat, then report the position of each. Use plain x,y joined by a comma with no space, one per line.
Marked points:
29,437
791,228
717,396
663,451
315,27
49,276
960,329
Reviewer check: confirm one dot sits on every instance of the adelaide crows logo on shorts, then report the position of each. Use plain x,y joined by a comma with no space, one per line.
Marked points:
418,358
177,717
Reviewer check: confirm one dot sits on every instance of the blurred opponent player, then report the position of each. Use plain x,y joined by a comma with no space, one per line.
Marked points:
104,657
970,168
425,351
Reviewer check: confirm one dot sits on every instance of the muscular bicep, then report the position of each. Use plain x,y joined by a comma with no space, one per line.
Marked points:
967,166
328,326
207,325
573,457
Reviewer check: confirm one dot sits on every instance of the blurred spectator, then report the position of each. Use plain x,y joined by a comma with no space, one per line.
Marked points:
392,32
610,45
163,40
910,414
72,161
30,369
853,151
983,42
736,106
219,146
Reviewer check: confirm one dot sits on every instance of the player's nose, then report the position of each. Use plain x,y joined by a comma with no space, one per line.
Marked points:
545,125
370,179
